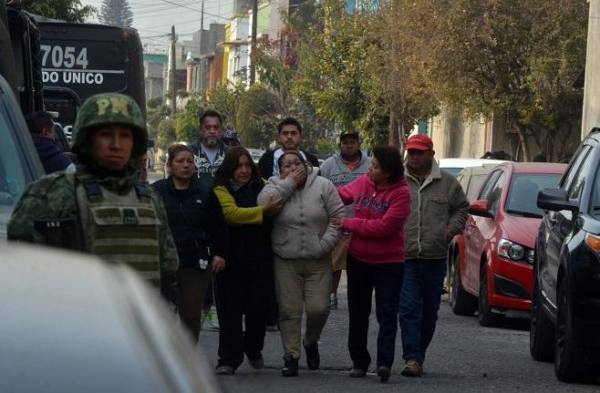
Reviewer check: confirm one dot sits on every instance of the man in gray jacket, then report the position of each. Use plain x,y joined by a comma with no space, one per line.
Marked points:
342,169
439,211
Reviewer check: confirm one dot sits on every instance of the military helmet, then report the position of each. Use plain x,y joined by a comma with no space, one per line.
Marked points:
105,109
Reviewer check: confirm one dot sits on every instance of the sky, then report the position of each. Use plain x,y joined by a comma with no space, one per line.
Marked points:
153,18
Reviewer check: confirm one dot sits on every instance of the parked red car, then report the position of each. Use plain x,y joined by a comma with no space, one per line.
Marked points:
490,268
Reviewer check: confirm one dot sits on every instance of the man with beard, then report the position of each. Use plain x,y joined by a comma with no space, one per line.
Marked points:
209,149
102,208
342,169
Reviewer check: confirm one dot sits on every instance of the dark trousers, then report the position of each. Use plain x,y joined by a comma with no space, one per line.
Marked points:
419,304
192,287
386,279
242,301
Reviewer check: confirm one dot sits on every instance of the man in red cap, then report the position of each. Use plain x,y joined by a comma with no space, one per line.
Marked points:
439,211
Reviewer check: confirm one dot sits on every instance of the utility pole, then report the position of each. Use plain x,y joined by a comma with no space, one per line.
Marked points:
253,42
201,73
173,73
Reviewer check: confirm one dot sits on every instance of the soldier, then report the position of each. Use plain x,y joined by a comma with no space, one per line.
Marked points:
102,208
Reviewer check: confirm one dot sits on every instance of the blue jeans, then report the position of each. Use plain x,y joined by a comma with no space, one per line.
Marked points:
419,304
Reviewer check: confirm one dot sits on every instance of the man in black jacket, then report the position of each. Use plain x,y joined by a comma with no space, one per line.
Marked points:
290,138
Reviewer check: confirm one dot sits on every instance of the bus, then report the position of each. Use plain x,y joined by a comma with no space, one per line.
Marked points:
80,60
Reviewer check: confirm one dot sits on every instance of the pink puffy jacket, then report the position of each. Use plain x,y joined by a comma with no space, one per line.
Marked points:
378,223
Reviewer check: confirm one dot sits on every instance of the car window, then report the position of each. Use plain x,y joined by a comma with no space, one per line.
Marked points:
524,188
12,174
495,194
475,184
575,186
573,169
489,184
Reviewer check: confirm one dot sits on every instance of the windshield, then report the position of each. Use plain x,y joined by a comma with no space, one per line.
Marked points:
522,199
453,171
12,174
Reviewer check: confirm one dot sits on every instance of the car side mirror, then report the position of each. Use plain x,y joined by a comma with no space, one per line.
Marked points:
555,199
480,208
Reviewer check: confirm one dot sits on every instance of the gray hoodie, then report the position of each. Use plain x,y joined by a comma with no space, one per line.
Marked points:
303,228
335,170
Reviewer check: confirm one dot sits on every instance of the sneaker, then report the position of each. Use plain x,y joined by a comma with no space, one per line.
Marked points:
383,373
212,319
412,369
290,366
333,303
357,372
257,363
313,360
224,369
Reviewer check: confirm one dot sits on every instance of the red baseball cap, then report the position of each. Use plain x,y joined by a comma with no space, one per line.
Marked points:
419,142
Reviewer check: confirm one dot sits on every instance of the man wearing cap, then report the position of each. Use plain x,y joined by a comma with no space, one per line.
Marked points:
342,169
102,208
439,211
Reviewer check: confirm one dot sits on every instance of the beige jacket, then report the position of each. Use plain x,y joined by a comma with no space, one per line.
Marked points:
303,228
439,210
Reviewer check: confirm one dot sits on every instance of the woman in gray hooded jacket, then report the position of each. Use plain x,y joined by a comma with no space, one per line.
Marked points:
304,233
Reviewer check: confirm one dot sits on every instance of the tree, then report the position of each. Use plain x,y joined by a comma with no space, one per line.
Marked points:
514,59
116,13
165,134
67,10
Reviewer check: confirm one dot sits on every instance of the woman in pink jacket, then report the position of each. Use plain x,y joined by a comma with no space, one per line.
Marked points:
381,202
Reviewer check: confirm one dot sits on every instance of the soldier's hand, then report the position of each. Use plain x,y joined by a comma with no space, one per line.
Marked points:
218,264
273,206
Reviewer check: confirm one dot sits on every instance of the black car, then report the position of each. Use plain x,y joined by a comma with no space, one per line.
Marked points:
565,320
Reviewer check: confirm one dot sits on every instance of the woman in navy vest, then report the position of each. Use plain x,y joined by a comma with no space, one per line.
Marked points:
199,232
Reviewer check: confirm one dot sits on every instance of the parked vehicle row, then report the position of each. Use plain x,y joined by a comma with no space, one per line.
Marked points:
491,262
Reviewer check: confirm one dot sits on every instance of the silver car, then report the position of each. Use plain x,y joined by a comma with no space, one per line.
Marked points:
71,323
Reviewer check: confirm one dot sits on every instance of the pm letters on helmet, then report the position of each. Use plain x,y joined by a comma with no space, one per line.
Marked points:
116,105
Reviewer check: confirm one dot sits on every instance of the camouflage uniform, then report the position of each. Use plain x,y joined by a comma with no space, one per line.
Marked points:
98,211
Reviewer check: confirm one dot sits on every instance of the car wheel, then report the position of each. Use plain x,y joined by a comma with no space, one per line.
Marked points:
486,316
569,364
541,332
461,302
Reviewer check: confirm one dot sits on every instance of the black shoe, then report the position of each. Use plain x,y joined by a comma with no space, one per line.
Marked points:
357,372
290,366
257,363
313,360
224,369
384,373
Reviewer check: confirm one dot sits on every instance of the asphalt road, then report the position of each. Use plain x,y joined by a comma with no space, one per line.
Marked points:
463,357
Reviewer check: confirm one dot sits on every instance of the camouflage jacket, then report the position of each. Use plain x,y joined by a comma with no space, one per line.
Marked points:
48,214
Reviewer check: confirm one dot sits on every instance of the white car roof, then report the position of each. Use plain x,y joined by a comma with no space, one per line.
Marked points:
466,162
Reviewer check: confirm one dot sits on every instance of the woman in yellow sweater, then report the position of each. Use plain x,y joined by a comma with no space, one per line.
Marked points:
243,290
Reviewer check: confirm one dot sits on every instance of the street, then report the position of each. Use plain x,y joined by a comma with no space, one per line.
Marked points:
463,357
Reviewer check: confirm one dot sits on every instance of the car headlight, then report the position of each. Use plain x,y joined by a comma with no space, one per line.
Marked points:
512,251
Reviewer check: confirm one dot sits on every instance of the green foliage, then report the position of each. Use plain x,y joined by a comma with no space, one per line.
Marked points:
165,134
116,13
514,58
67,10
256,117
